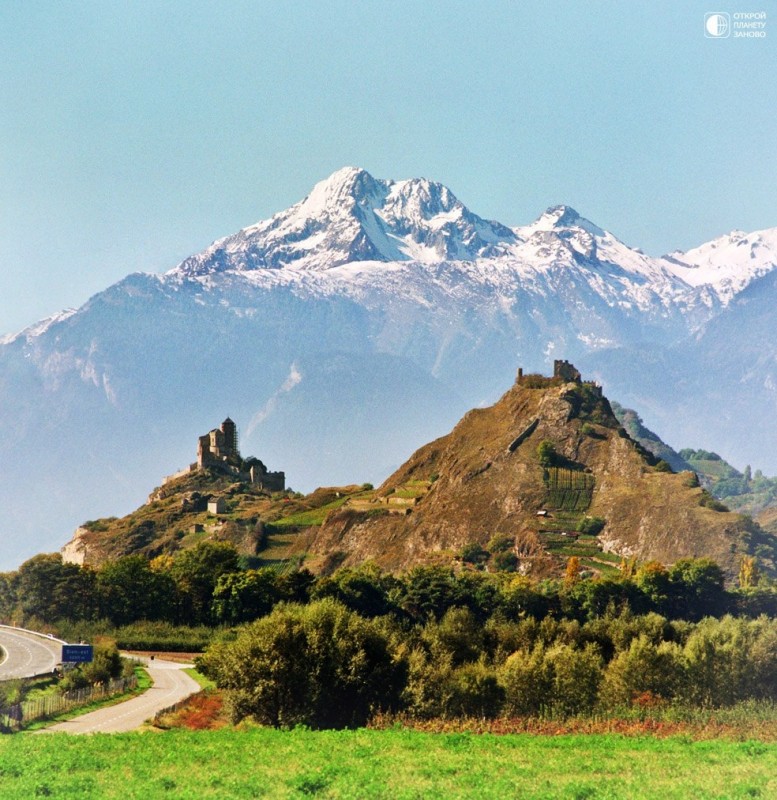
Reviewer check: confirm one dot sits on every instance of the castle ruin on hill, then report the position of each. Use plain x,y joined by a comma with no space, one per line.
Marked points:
563,372
218,451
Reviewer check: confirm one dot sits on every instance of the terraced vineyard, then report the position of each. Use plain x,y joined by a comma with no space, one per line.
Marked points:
559,535
568,489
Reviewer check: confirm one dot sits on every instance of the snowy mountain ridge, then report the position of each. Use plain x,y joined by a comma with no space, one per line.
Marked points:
353,218
728,263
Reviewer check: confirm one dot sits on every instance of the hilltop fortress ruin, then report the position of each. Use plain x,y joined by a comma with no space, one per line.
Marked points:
563,372
218,451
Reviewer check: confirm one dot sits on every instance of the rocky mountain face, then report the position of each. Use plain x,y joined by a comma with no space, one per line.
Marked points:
488,480
347,330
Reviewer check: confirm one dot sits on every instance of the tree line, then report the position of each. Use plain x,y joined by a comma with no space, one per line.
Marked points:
207,585
332,650
327,666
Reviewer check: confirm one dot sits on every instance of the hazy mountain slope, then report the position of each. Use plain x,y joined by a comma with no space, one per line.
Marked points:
634,426
716,389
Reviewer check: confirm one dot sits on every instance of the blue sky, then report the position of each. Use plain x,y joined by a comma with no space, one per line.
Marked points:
134,134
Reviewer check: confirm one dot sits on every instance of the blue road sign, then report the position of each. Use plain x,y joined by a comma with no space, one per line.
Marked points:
77,653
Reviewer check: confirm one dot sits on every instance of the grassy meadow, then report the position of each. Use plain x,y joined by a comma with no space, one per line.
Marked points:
395,763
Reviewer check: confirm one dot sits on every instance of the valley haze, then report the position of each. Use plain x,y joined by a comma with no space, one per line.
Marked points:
360,323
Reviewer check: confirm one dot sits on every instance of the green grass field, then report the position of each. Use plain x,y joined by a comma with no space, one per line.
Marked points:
393,763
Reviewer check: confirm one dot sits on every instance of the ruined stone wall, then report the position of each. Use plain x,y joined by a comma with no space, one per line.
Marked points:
566,371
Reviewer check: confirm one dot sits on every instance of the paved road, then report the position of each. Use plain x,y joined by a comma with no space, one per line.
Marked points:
170,686
28,654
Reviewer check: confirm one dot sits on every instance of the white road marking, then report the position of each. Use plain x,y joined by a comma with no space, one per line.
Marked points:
27,654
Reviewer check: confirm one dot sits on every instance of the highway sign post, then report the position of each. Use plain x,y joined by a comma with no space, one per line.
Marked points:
77,653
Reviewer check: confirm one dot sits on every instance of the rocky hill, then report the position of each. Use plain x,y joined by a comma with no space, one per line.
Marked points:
549,470
266,528
220,497
546,473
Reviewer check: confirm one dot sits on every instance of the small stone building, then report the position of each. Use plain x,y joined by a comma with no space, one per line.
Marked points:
217,506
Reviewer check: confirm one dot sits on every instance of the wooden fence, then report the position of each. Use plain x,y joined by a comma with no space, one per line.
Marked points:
15,716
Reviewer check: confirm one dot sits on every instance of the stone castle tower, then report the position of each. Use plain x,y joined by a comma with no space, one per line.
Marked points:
218,450
566,371
218,445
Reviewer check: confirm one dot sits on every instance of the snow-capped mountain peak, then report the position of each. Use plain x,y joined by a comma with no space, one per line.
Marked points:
340,192
560,218
352,216
728,263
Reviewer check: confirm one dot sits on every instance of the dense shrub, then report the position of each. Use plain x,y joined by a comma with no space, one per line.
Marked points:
591,526
106,664
457,637
528,682
576,677
475,692
320,665
645,667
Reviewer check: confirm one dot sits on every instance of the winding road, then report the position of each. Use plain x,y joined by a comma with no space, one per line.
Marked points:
171,684
27,654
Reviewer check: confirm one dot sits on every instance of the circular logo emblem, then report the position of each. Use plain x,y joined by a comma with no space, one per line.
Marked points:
717,25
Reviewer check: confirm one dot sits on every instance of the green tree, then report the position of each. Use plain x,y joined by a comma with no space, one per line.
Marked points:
428,591
576,678
428,690
522,597
296,586
717,663
437,689
196,572
504,561
8,581
644,668
501,543
51,589
473,553
475,692
697,589
364,589
599,596
245,596
591,526
527,679
546,453
320,665
457,636
652,578
130,590
729,660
